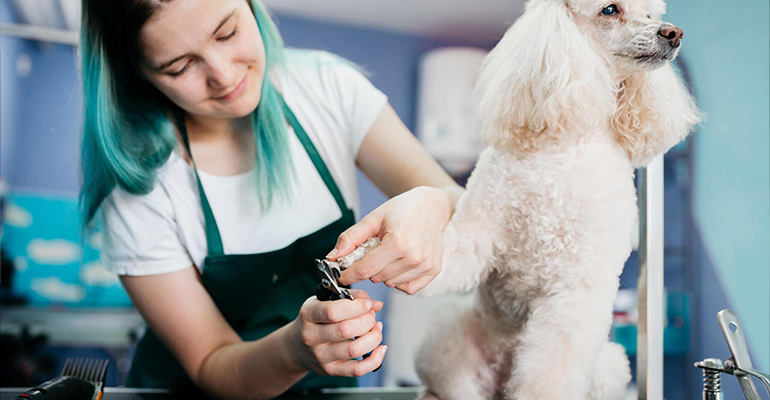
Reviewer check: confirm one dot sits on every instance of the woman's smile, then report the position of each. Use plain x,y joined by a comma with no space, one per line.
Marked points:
235,92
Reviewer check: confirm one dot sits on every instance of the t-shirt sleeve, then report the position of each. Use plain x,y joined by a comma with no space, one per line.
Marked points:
359,100
141,235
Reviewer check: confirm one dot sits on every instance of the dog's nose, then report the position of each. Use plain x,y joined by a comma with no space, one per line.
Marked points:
673,34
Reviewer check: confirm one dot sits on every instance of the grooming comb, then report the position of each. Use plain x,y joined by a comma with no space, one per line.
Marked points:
81,379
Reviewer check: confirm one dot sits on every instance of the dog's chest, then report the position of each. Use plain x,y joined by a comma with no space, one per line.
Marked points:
504,307
561,211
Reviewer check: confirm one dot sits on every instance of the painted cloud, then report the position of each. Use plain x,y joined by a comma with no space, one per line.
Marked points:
53,252
94,274
54,289
16,216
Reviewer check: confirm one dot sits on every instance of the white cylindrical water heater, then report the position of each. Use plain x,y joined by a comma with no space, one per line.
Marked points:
446,113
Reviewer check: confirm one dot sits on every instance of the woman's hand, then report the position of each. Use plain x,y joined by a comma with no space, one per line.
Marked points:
321,335
411,248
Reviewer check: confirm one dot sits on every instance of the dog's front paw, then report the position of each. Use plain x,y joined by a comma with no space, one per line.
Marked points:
428,395
611,374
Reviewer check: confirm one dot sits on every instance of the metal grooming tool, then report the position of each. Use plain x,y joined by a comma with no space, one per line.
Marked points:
712,383
328,289
738,365
330,271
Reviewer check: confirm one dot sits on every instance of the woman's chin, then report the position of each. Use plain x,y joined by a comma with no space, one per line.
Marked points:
242,113
236,110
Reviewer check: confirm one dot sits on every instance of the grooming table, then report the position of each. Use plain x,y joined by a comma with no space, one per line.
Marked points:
331,394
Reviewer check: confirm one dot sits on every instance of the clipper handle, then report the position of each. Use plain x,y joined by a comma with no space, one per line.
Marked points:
324,294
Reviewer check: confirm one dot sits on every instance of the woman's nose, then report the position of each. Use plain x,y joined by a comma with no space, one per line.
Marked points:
673,34
220,75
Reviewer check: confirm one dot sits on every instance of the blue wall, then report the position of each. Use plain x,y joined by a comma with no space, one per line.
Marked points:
10,50
727,46
41,114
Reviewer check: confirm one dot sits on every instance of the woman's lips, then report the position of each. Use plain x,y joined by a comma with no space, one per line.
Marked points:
236,92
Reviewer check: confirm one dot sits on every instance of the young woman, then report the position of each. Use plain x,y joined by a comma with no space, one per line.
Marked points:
222,165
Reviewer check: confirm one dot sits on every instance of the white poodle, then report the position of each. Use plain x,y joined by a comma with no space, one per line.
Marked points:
576,95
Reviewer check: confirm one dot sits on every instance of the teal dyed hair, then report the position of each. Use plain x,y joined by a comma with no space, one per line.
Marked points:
128,132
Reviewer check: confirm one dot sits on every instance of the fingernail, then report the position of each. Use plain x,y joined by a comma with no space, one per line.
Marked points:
379,324
332,253
384,350
368,304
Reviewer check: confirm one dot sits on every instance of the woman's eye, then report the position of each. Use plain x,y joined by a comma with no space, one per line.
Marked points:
230,36
180,72
610,10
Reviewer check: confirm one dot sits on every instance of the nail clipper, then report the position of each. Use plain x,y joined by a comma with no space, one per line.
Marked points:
330,271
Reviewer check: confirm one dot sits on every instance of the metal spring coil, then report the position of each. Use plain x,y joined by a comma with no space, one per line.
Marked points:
711,381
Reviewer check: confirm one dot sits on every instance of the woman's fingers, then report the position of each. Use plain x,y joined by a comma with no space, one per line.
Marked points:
416,285
358,368
407,276
359,233
350,349
330,312
345,330
372,263
362,294
399,272
402,272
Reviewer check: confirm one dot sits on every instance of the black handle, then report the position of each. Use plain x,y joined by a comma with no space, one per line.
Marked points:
61,388
324,294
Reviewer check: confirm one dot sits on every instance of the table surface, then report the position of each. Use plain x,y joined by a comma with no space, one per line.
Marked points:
69,326
330,394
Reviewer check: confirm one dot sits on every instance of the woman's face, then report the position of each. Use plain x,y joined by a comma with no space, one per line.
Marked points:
207,56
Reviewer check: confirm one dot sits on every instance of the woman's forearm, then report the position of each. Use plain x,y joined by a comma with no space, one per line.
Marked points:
454,192
261,369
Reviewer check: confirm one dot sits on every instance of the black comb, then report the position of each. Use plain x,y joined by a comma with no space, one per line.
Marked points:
81,379
91,370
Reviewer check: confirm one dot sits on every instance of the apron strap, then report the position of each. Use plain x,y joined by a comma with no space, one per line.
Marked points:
312,152
213,238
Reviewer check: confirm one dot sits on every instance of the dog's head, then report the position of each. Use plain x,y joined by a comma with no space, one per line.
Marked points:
568,67
629,32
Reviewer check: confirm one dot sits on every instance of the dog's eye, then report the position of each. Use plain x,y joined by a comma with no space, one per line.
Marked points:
610,10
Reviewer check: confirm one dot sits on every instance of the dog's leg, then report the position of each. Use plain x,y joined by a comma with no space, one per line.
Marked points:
470,241
462,267
560,345
428,395
450,362
474,235
611,374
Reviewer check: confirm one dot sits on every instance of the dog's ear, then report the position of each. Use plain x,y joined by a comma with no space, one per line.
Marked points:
543,81
655,112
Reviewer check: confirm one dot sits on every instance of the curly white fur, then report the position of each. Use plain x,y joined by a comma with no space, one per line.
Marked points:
572,102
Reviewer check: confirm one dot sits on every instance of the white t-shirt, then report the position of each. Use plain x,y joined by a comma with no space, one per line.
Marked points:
163,231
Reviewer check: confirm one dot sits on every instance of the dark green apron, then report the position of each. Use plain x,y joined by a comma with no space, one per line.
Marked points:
256,293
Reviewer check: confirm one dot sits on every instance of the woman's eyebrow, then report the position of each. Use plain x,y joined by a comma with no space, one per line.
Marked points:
169,63
221,23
